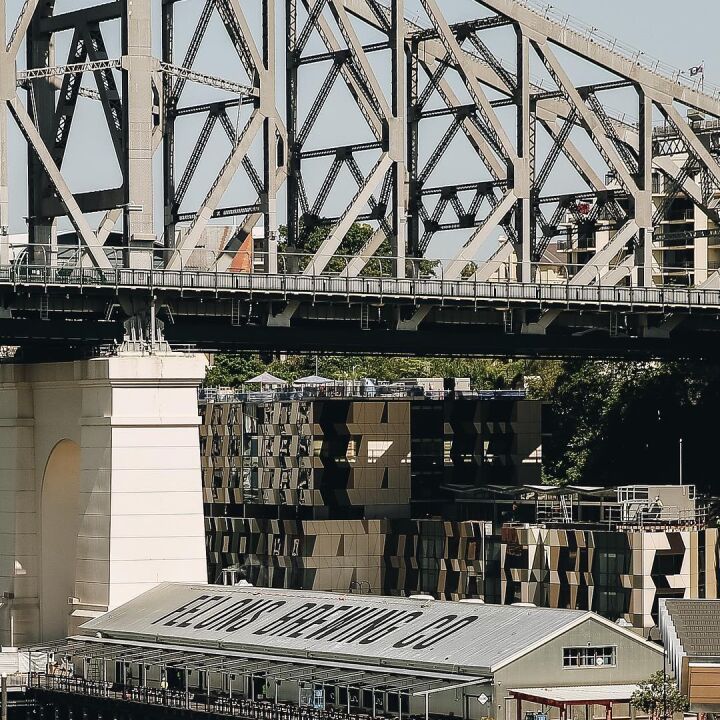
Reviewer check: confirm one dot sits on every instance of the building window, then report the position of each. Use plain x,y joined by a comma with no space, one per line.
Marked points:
576,657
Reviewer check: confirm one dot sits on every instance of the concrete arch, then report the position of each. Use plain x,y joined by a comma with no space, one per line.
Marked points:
59,527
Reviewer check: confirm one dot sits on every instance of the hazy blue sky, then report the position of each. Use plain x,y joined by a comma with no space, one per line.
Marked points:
682,34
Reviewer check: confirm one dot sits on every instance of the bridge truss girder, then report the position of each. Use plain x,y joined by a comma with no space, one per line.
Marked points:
140,96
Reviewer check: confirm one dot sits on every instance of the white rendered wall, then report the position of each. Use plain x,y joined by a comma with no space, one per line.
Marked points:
19,540
139,514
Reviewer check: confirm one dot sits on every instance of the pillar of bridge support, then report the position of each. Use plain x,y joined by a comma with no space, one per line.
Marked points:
398,138
7,89
100,488
523,167
40,52
18,508
644,203
138,66
268,104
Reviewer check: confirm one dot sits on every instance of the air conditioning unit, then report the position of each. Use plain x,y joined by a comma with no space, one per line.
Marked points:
73,600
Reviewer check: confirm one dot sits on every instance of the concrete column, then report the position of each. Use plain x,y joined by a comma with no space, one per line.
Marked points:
101,487
701,255
19,542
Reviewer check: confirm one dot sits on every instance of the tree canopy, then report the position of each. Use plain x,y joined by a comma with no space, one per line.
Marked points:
233,370
659,697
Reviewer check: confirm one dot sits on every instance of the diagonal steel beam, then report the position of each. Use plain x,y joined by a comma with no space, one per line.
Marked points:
310,25
368,250
192,50
107,224
331,43
470,249
332,242
589,272
215,194
693,142
590,120
67,99
247,33
576,158
452,46
360,57
107,89
85,233
498,261
195,156
240,35
588,47
319,102
555,151
21,27
489,158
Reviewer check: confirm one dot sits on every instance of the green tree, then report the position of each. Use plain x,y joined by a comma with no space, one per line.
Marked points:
314,231
659,697
484,374
619,423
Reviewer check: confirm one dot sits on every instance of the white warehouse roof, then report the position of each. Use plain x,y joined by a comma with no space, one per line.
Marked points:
385,631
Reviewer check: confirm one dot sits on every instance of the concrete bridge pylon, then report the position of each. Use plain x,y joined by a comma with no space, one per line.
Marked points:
100,492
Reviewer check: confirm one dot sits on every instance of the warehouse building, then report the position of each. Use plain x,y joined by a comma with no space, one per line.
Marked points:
289,655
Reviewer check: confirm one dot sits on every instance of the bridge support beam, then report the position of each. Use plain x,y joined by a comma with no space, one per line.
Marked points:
87,450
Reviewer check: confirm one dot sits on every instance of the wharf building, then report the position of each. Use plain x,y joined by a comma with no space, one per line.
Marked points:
271,654
354,492
690,632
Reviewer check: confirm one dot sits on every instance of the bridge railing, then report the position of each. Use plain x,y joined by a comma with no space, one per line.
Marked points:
424,279
70,260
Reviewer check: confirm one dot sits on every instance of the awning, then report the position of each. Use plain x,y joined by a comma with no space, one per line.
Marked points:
582,695
267,378
313,380
355,675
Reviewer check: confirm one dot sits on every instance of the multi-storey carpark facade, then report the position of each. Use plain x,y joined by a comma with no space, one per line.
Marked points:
619,573
361,492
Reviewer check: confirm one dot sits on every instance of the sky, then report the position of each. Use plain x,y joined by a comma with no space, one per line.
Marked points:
681,34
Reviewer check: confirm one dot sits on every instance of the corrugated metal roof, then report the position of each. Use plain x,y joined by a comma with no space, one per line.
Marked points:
373,629
583,694
697,625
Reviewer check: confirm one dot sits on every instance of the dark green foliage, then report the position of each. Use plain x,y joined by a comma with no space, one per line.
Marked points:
620,423
233,370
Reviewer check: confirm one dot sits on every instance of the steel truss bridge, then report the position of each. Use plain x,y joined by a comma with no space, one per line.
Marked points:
509,131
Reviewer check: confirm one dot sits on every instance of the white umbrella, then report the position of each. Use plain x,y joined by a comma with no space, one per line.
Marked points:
267,379
313,380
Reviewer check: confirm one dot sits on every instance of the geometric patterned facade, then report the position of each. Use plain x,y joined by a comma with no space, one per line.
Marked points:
619,574
388,557
352,458
334,494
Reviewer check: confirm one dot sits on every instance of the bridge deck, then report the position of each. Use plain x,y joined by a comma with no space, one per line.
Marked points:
335,288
